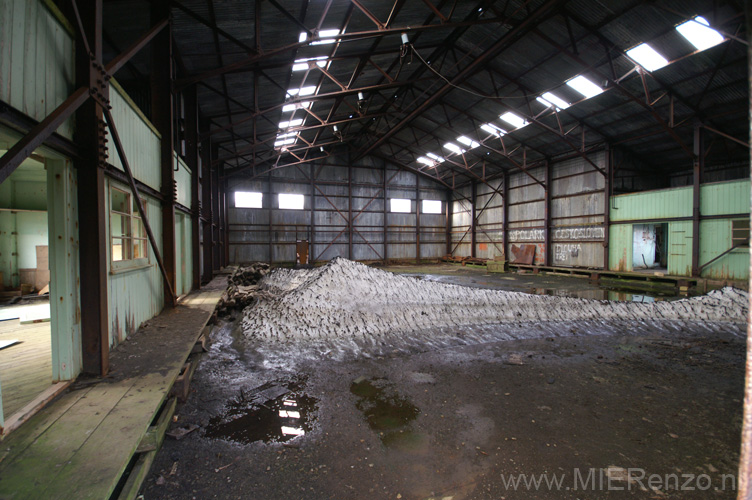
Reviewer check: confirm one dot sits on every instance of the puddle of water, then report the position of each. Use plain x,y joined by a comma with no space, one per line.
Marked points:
275,412
601,294
386,412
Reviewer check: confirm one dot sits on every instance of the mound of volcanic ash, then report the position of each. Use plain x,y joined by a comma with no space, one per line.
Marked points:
348,300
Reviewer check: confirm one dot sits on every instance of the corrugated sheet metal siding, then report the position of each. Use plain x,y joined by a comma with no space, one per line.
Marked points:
183,177
620,247
183,254
680,248
128,309
140,142
715,238
651,205
722,198
37,60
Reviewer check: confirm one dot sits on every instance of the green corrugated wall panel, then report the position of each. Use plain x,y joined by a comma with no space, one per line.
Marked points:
715,238
65,305
37,60
680,248
650,205
183,254
620,247
183,180
137,295
140,142
720,198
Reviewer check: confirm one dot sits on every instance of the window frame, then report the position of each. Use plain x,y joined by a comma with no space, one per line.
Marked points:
423,207
392,208
132,216
296,195
261,199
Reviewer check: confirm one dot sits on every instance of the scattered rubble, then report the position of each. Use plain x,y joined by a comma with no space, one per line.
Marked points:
242,287
345,300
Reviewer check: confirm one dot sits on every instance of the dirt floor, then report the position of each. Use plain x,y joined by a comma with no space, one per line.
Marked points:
628,411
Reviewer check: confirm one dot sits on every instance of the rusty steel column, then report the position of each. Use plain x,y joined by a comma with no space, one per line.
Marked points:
225,223
194,162
312,230
547,216
697,169
505,215
386,217
745,459
162,118
349,210
473,195
449,208
92,209
207,150
417,219
269,211
608,179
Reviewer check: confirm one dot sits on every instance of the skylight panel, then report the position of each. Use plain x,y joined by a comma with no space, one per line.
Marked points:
302,91
513,119
303,64
426,161
289,134
647,57
436,158
550,100
303,37
291,201
468,142
493,129
297,105
290,123
584,86
326,37
284,142
698,32
454,148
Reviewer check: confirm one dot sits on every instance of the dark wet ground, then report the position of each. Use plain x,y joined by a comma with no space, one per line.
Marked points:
464,422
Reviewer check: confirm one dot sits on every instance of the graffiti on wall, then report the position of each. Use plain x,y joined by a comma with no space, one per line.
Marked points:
566,252
525,235
581,233
588,233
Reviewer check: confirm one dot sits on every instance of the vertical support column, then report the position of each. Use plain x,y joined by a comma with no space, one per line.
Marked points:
193,161
417,218
608,178
473,196
697,169
207,153
505,215
386,217
312,231
90,136
269,210
223,227
216,242
547,217
349,211
449,208
745,459
162,118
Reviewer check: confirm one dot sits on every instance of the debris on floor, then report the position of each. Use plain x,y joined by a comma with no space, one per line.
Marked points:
242,287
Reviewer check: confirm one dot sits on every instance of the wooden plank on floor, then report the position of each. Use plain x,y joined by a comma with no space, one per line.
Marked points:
101,461
34,470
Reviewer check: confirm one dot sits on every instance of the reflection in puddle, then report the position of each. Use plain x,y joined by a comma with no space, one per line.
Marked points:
386,411
274,413
601,294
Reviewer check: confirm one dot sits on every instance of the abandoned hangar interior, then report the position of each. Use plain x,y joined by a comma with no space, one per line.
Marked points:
151,146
